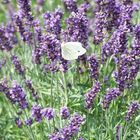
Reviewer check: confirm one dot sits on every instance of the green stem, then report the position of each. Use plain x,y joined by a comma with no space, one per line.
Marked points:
52,99
65,88
33,137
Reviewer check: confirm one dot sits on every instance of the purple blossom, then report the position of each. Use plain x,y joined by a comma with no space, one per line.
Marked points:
18,67
111,95
70,5
118,129
29,121
53,22
127,69
38,31
91,94
10,31
63,65
18,122
48,113
51,47
51,67
36,55
17,96
25,33
32,90
64,112
106,13
136,41
132,110
36,113
25,9
5,43
69,130
4,86
117,43
77,28
94,66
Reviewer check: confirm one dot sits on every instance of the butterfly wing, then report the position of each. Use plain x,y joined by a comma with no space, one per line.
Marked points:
68,54
77,47
71,50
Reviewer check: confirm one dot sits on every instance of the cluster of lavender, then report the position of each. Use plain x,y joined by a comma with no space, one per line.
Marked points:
10,33
64,112
32,90
18,67
71,5
5,43
117,44
69,130
94,66
25,33
53,22
136,41
77,28
91,94
106,17
111,95
132,110
127,70
17,96
36,113
25,9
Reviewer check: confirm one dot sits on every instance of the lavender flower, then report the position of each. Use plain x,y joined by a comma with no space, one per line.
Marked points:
63,65
94,66
18,67
53,22
29,121
18,122
77,28
91,94
36,113
10,33
38,31
30,87
17,95
117,44
70,5
126,14
48,113
105,13
25,9
128,67
136,41
51,67
132,109
5,43
111,95
64,112
118,129
4,86
51,47
69,130
26,35
36,55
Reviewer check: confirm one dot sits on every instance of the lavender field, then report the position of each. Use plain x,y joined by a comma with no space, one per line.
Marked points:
69,70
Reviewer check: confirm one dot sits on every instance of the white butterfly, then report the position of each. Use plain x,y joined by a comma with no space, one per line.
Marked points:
71,50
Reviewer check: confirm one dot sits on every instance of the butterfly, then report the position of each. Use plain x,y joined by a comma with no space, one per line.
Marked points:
71,50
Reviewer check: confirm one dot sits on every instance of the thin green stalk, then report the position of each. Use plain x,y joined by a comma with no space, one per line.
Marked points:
52,98
33,136
65,88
